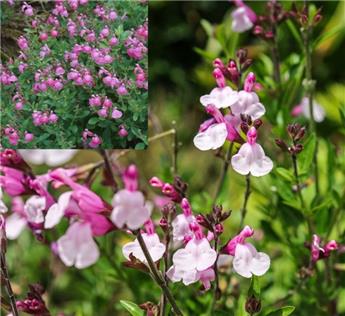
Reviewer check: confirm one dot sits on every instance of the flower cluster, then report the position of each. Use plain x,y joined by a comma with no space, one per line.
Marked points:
102,51
241,120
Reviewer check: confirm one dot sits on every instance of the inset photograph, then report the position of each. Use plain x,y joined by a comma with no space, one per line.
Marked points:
74,74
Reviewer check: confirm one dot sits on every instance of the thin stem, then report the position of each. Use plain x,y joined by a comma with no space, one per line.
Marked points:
216,287
8,286
299,192
245,202
223,173
157,275
295,169
276,61
109,168
310,89
175,151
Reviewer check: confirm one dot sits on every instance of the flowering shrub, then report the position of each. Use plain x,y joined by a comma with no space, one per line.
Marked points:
172,234
80,79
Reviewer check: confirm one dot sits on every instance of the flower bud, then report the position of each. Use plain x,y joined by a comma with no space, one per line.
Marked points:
242,55
253,305
281,144
257,123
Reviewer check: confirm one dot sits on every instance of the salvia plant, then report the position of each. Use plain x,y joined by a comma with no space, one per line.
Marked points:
109,236
80,77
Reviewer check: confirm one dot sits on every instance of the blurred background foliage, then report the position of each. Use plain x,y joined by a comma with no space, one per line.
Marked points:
184,38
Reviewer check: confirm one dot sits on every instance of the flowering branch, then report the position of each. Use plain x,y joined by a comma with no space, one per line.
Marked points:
246,198
157,275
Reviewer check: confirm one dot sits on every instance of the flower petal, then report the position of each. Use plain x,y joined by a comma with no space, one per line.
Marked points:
213,138
242,161
183,259
262,164
14,226
260,264
242,261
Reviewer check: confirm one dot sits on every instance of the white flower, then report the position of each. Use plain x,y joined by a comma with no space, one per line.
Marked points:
50,157
212,138
240,20
220,98
129,209
77,247
248,104
14,226
248,261
318,111
154,246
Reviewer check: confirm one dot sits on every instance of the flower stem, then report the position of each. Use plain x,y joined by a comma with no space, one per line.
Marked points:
299,192
310,90
223,173
245,202
157,275
8,286
109,168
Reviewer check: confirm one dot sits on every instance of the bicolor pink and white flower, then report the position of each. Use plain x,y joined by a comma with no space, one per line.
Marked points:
194,262
251,157
247,261
181,223
303,109
129,207
243,17
152,242
248,101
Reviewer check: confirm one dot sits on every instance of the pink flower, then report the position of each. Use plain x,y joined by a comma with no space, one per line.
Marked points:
12,181
43,37
243,18
107,102
77,247
28,137
122,132
121,90
130,178
95,100
116,114
318,252
113,41
95,141
27,9
23,43
247,261
251,157
220,98
212,138
129,209
103,112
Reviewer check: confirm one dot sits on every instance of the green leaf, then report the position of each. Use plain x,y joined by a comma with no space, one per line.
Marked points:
207,26
283,311
132,308
140,146
284,173
305,158
93,120
254,287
